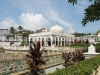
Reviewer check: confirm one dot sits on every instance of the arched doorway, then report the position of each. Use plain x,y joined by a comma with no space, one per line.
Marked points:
42,41
31,41
49,42
62,41
56,41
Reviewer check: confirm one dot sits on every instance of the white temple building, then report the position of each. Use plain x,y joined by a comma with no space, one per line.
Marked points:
55,37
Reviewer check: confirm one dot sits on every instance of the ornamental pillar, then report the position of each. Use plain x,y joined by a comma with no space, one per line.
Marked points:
51,38
58,41
64,41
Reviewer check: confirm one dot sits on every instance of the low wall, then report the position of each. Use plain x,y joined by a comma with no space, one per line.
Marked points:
16,47
14,61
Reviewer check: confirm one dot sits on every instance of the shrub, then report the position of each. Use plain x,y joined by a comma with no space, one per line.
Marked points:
72,57
81,68
34,58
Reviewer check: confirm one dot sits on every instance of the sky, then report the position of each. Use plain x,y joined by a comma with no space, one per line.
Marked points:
37,14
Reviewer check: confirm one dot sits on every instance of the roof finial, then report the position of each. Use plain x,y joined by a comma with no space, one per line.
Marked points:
57,23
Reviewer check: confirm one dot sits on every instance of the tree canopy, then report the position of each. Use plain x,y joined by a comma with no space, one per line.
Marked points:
20,27
12,30
97,32
81,34
92,12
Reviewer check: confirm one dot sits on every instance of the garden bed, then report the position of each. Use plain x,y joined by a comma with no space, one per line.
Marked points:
81,68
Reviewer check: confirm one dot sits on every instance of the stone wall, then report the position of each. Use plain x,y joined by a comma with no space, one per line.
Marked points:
14,62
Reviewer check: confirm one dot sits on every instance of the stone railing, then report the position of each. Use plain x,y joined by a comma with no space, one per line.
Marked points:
14,62
16,47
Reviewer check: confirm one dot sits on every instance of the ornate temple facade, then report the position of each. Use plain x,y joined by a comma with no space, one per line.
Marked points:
55,37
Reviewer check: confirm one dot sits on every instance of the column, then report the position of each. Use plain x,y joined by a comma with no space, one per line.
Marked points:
64,41
61,41
51,38
40,40
29,40
58,41
44,41
54,41
69,40
73,40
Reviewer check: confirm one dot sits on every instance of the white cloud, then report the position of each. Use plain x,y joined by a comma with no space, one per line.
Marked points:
29,5
7,23
71,31
34,21
79,7
29,21
54,16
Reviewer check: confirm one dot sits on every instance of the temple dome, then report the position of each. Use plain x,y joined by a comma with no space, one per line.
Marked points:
57,29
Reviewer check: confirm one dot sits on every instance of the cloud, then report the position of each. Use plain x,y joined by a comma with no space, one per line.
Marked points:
71,31
29,21
79,7
54,16
38,14
29,5
7,23
34,21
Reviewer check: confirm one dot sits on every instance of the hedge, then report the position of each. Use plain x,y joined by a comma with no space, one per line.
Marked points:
81,68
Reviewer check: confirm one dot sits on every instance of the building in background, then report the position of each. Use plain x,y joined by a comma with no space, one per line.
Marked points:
55,36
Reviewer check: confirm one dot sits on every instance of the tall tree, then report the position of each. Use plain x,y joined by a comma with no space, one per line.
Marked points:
25,35
97,32
27,32
92,12
20,27
12,30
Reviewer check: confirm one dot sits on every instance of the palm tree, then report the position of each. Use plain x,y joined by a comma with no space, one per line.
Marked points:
35,60
20,28
12,30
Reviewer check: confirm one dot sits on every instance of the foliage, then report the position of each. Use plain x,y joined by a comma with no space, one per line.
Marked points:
92,12
81,68
81,34
72,58
12,30
35,60
85,46
76,41
27,32
20,27
97,32
25,36
22,43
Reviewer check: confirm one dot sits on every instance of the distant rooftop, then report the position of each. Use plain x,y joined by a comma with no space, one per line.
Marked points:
3,29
